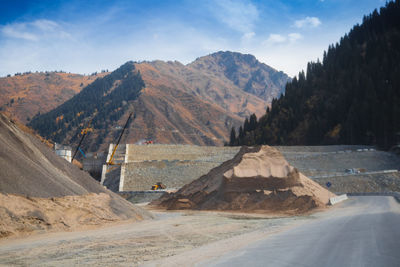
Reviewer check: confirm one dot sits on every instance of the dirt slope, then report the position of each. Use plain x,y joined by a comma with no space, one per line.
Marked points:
258,179
198,103
169,112
25,95
30,169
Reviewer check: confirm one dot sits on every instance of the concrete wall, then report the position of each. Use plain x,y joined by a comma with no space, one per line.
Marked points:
141,196
174,174
65,154
179,152
141,166
173,165
93,164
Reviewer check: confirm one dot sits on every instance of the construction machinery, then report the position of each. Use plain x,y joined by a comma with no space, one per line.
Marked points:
84,132
110,162
158,186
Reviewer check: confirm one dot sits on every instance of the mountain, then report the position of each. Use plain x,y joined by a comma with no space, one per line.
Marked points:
98,105
173,103
246,72
24,95
352,97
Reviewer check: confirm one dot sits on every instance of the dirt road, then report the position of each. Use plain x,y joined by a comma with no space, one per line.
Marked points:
223,239
133,244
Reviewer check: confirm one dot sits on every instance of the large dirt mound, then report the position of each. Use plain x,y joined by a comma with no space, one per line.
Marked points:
31,170
257,179
21,215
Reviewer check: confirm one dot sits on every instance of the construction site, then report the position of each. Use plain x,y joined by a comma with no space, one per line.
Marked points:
192,203
349,169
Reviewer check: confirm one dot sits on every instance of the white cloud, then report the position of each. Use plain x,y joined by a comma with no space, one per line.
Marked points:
34,30
18,31
293,37
276,38
239,15
308,22
248,36
45,25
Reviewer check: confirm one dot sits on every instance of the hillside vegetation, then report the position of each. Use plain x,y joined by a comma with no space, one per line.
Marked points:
178,104
24,95
99,104
351,97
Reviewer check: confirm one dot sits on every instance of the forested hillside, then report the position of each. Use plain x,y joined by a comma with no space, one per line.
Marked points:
178,104
25,94
351,97
100,104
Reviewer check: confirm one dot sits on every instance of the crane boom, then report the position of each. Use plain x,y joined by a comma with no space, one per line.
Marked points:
84,133
110,162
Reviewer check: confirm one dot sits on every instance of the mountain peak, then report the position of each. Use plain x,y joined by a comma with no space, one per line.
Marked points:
246,72
226,57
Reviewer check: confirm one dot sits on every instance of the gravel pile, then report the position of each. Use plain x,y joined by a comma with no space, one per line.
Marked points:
257,179
31,173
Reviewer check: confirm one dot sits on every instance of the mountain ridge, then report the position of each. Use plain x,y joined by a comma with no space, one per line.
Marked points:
25,95
179,104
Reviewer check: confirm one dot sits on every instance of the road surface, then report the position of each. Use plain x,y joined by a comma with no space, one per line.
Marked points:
363,231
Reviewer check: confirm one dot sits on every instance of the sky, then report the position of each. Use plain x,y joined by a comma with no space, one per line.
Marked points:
84,36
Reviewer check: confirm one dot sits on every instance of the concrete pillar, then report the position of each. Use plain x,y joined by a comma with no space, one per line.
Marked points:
126,153
110,150
103,174
122,178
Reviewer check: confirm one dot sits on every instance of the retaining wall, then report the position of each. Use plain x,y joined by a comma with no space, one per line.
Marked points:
141,196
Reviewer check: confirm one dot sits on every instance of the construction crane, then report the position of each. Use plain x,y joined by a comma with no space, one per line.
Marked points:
110,162
84,132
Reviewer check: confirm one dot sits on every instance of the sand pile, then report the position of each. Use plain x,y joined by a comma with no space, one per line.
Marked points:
30,170
257,179
21,215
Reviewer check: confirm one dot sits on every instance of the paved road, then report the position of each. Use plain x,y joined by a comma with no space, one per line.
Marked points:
363,231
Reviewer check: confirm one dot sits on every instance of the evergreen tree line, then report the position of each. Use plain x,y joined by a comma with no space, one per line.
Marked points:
351,97
102,102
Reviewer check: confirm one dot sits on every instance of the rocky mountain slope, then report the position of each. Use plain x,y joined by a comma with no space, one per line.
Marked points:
245,72
196,103
27,94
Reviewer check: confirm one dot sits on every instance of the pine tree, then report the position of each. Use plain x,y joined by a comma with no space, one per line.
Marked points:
232,140
351,97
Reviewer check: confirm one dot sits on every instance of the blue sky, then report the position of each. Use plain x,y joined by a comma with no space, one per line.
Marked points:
87,36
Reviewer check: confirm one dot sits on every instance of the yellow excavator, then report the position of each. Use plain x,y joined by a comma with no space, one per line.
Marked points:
158,186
